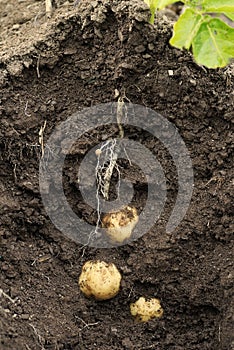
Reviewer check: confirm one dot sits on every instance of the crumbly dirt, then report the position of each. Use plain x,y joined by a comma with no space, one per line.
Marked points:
80,57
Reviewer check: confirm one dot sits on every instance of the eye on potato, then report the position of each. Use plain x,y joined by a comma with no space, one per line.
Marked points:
144,310
99,280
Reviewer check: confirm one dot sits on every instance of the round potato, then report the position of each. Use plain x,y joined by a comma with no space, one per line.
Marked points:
100,280
119,225
144,310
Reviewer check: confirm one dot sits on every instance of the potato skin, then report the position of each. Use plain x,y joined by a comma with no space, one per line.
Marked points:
100,280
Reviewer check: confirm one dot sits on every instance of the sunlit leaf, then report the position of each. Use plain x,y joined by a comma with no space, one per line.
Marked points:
219,6
210,39
213,45
229,15
186,28
157,5
164,3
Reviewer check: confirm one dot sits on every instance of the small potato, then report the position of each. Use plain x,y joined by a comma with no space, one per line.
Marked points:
144,310
119,225
100,280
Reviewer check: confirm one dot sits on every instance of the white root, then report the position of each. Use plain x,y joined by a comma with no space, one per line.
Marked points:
49,8
111,155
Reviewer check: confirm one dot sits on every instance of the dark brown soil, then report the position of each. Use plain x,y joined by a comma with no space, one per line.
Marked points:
49,69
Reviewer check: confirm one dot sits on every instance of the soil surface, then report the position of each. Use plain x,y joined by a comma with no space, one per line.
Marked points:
87,53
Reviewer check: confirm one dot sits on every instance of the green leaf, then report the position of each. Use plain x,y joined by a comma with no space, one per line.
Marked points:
213,45
151,3
164,3
211,39
157,4
186,28
230,16
153,6
219,6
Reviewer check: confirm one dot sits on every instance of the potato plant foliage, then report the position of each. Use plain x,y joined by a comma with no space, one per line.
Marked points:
210,39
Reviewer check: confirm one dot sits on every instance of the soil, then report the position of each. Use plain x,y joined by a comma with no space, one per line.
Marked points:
84,55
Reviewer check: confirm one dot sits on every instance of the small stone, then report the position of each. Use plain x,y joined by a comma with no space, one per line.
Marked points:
147,56
15,26
25,316
150,47
27,64
70,51
27,185
140,48
114,329
193,82
15,68
170,72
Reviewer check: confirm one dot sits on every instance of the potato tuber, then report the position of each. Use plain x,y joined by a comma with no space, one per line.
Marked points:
144,310
100,280
119,225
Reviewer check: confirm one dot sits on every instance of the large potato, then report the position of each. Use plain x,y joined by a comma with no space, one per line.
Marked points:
100,280
144,310
119,225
